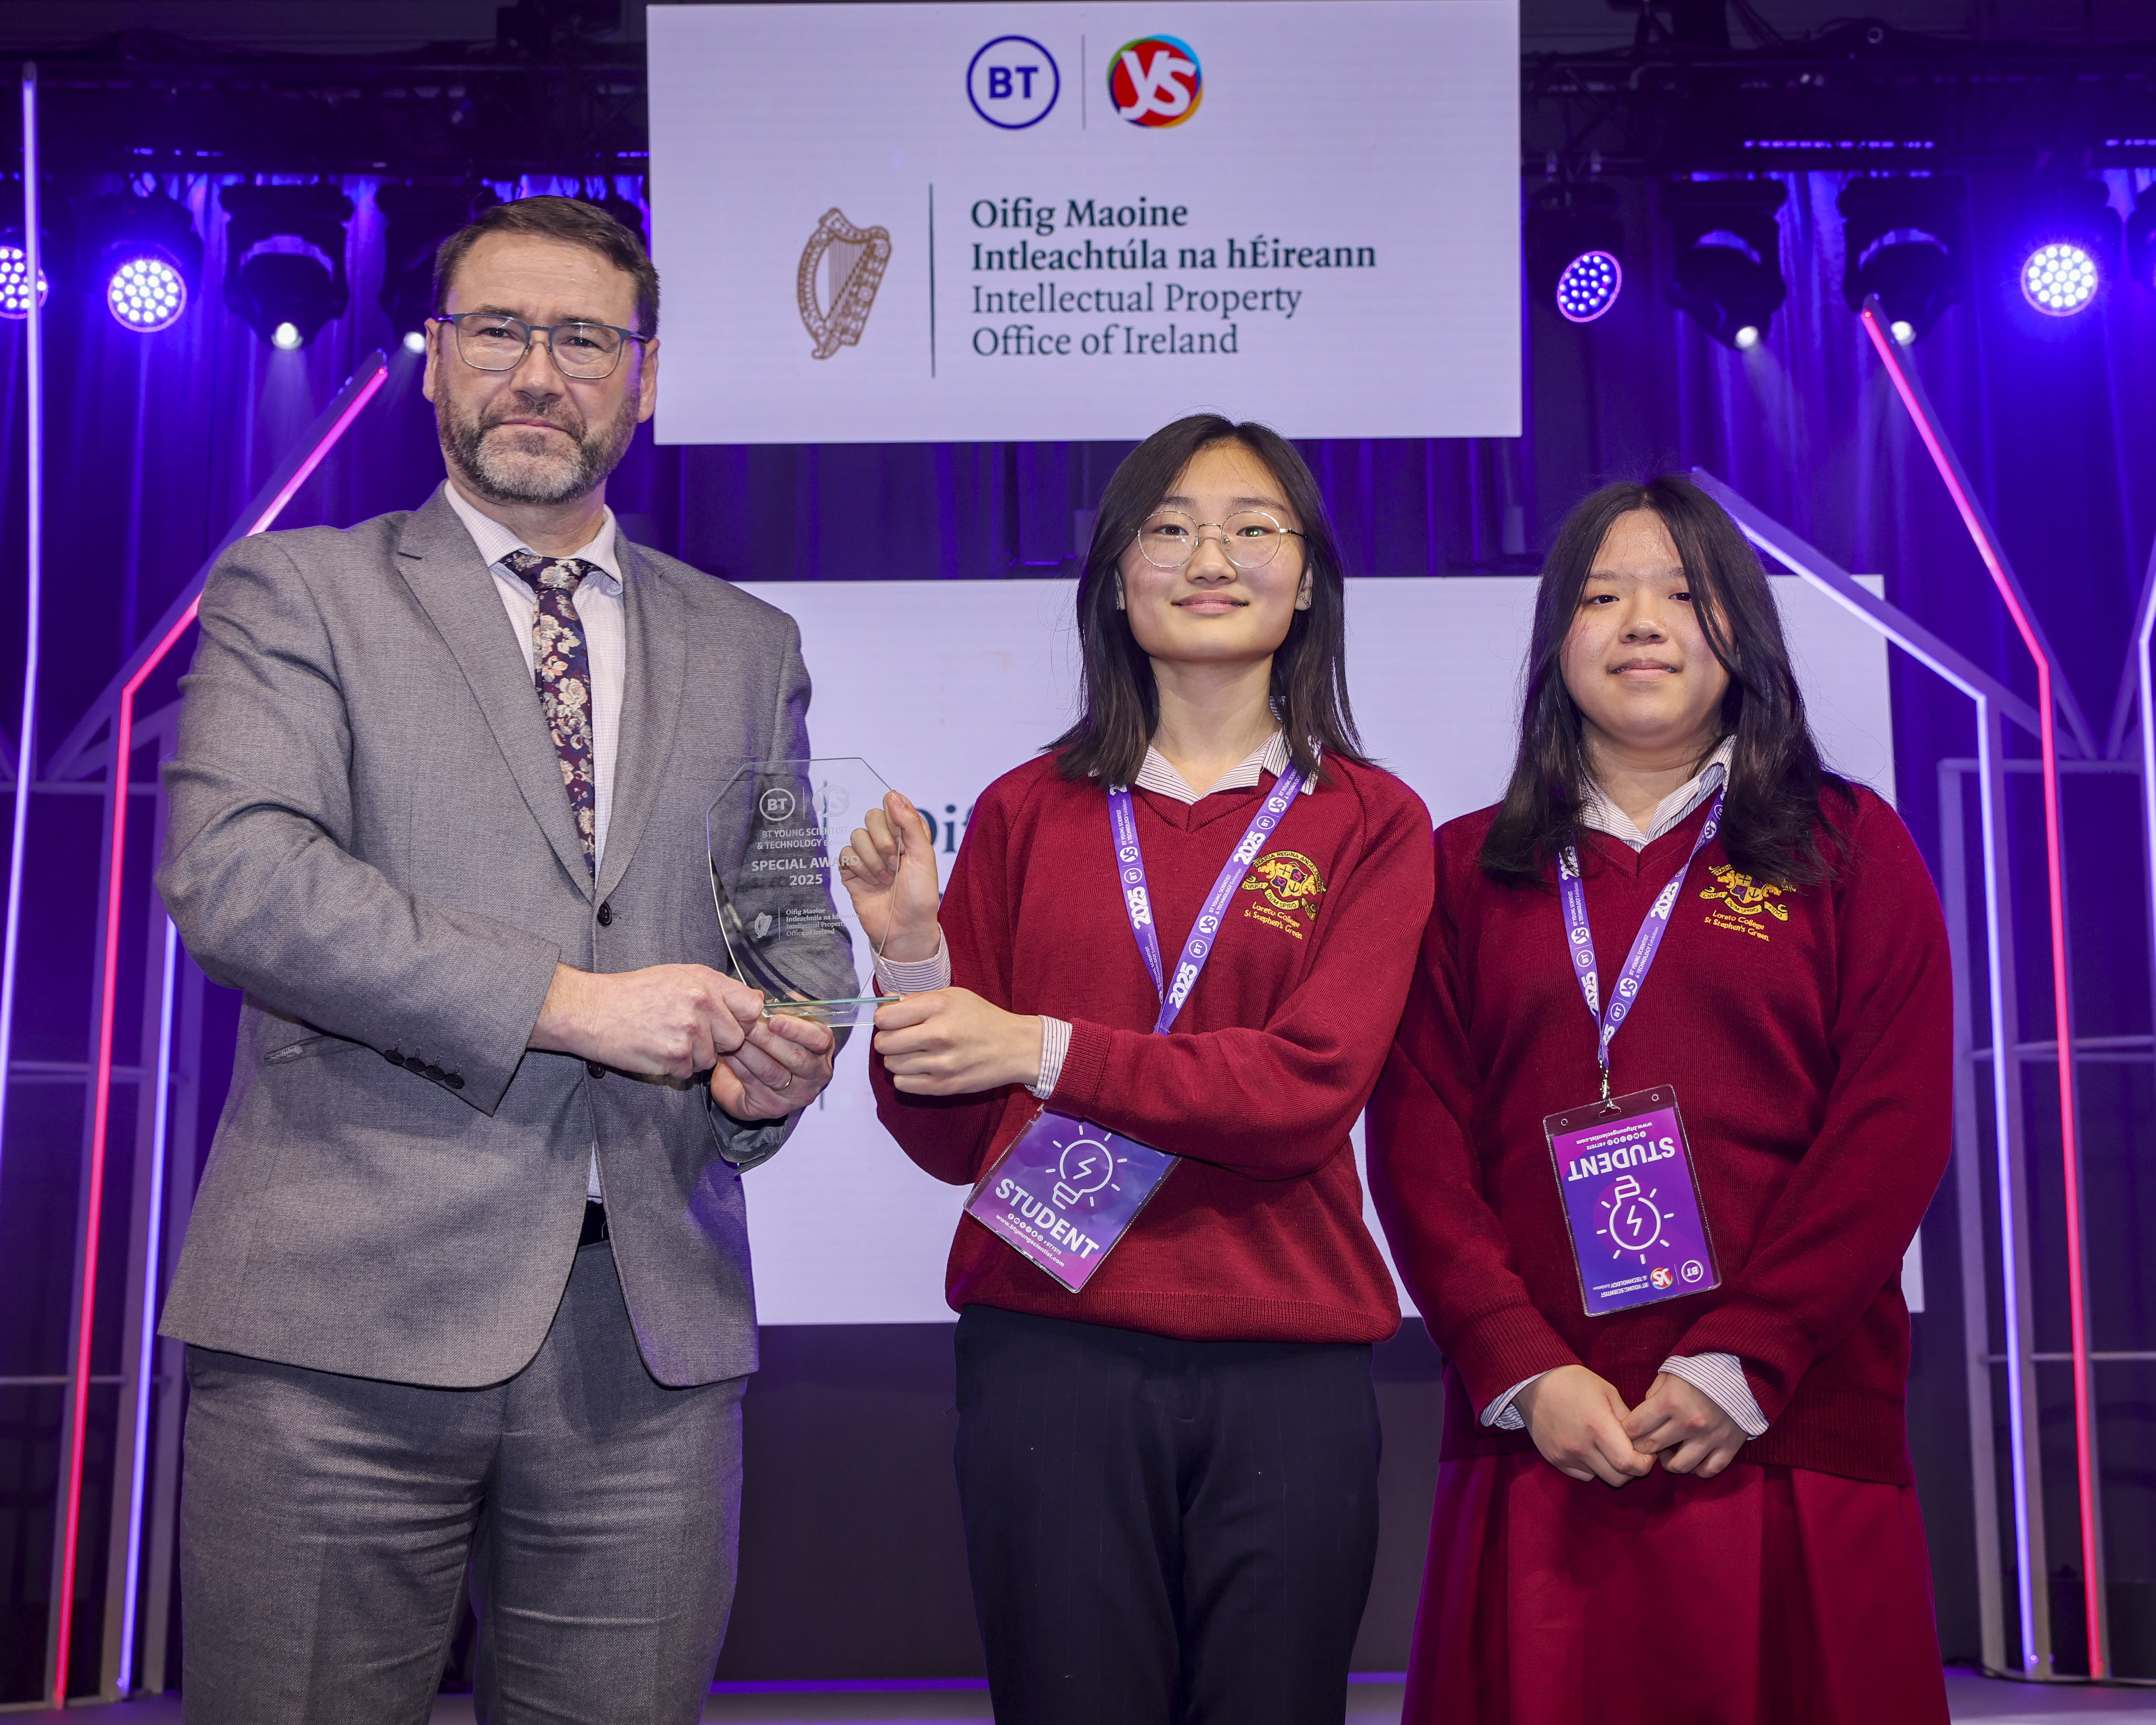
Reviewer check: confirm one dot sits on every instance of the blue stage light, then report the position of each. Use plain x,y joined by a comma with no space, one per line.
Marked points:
1573,241
1589,286
2060,278
286,336
14,280
146,293
415,341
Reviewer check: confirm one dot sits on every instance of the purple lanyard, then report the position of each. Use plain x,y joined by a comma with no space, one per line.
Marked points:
1137,903
1644,944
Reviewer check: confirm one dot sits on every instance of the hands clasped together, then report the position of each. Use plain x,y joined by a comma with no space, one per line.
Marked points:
949,1042
677,1020
1584,1430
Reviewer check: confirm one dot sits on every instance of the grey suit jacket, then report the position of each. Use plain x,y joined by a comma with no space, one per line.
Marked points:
369,835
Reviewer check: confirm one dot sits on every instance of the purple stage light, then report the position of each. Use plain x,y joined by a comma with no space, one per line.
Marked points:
2060,278
146,293
14,277
1589,286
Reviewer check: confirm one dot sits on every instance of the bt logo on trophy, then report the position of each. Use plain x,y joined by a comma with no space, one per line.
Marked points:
1156,81
1013,82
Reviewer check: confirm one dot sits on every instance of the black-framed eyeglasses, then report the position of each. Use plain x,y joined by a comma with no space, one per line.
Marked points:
1250,538
492,341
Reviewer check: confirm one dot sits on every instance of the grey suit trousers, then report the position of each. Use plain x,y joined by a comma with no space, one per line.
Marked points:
328,1520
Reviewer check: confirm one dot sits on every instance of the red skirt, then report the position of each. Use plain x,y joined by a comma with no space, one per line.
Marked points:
1768,1594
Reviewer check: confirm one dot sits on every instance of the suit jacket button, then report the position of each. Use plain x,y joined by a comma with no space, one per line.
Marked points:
412,1063
595,1069
394,1056
437,1074
455,1080
606,916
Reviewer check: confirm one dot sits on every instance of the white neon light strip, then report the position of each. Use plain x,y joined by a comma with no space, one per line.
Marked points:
147,1349
34,372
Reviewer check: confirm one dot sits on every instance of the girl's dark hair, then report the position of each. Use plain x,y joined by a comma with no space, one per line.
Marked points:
1309,671
1770,817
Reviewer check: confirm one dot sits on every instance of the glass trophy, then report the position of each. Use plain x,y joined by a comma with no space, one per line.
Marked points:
773,837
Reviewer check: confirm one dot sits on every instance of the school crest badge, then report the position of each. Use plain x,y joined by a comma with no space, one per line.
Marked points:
1742,905
1288,885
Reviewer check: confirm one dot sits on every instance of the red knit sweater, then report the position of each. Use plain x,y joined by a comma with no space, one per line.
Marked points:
1258,1233
1807,1034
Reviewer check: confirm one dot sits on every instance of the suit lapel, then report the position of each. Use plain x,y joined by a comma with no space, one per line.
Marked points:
441,567
655,668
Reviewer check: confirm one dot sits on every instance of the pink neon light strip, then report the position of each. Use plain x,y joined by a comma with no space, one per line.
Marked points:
123,736
2061,1000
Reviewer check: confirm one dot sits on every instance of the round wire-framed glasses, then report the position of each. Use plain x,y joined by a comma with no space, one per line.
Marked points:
1250,538
491,341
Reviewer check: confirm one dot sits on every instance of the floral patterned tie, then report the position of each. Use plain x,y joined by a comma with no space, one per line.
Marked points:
562,671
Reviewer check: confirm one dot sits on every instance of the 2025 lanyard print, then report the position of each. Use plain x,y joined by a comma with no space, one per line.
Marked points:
1631,1197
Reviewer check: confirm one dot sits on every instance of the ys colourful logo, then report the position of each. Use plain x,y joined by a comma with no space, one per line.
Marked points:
1156,81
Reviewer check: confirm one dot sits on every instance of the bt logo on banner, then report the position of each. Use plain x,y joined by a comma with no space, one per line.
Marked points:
1013,82
1156,81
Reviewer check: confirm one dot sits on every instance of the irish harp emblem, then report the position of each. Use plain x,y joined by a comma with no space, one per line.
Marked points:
846,264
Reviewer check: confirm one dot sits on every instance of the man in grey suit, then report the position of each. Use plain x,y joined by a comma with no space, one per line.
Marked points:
468,1279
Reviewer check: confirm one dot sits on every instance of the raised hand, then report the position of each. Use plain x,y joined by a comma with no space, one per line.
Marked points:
888,866
1577,1419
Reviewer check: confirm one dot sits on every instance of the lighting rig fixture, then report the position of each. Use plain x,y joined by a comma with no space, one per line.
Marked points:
148,259
15,257
2068,242
1906,240
15,277
419,218
1575,248
286,273
2141,238
1727,238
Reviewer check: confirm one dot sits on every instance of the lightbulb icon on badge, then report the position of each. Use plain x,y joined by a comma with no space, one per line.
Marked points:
1632,1222
1084,1170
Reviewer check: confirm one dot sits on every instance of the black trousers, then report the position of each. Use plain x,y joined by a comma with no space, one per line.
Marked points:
1164,1532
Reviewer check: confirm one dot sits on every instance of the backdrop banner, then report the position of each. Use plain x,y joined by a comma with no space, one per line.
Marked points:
844,1228
899,223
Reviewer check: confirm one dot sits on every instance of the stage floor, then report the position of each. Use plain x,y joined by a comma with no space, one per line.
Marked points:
1969,1697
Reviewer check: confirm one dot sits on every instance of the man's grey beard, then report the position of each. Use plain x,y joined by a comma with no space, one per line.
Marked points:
494,478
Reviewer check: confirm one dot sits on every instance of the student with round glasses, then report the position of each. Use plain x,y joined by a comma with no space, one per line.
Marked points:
1167,1437
1668,1100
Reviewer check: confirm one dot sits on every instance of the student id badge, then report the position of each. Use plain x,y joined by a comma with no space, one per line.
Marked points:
1631,1203
1065,1191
